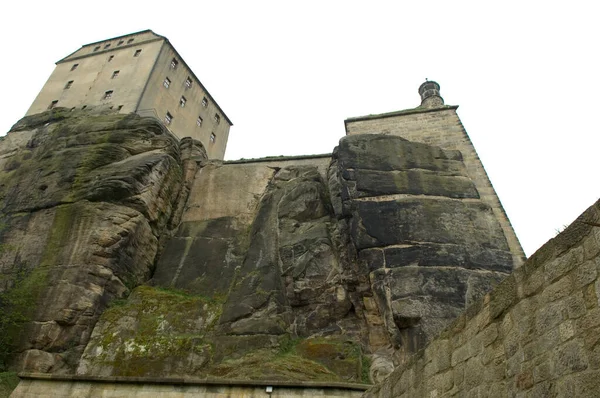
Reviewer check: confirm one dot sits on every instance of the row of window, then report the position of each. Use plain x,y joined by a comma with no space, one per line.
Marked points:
169,119
120,43
110,58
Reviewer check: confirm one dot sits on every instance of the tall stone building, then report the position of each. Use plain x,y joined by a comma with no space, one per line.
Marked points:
435,123
142,73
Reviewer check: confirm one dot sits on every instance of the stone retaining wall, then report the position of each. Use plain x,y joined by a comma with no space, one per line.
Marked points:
537,334
46,386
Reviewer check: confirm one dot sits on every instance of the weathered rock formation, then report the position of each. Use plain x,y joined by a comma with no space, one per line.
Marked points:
84,201
128,253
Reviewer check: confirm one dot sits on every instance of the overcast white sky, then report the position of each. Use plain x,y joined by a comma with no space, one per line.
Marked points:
288,74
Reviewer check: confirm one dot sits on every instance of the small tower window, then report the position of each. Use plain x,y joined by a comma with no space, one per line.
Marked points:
204,102
53,104
106,46
188,82
119,107
137,53
217,118
182,101
74,67
168,118
213,137
130,41
199,121
167,82
107,95
110,58
120,43
115,74
96,48
174,63
69,84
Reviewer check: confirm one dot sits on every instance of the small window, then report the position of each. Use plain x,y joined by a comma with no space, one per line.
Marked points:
106,46
72,109
74,67
107,94
188,82
115,74
96,48
174,63
213,137
137,53
182,101
199,121
83,107
217,118
52,104
120,107
168,118
110,58
167,82
204,102
69,84
120,43
130,41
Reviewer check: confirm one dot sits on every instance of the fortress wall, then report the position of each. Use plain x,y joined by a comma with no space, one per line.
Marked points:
441,127
49,386
537,334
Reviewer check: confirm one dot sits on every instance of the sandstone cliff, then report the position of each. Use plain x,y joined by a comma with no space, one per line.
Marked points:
128,253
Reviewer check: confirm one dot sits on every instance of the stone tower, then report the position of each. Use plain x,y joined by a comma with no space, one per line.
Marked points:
143,73
435,123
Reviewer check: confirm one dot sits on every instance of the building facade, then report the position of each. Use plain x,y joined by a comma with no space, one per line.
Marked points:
435,123
142,73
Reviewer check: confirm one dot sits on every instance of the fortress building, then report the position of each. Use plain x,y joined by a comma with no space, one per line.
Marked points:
142,73
134,265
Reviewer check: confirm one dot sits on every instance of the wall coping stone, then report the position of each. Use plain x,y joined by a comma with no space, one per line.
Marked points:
192,381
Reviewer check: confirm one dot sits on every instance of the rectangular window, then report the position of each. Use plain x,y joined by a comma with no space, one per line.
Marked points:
110,58
213,137
174,63
199,121
188,82
168,118
120,43
129,41
137,53
120,107
182,101
96,48
167,82
217,118
69,84
115,74
52,104
107,94
204,102
106,46
74,67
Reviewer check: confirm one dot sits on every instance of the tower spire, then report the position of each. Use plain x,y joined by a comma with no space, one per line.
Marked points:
430,94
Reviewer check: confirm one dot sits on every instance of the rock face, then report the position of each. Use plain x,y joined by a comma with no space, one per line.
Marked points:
84,200
429,245
263,277
187,267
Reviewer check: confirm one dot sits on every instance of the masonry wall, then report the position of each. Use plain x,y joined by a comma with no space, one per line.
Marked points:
536,335
93,77
47,386
443,128
160,99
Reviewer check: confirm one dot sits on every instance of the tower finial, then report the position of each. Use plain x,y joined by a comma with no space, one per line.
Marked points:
430,94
